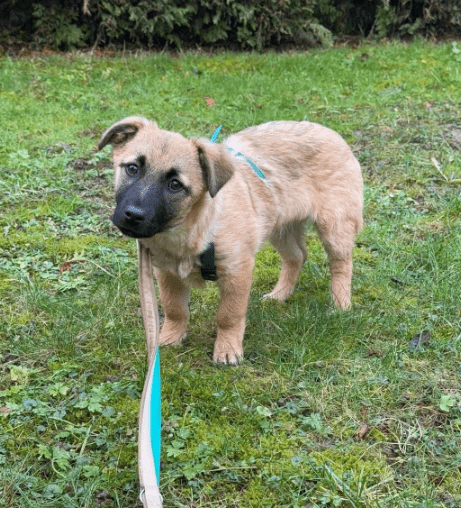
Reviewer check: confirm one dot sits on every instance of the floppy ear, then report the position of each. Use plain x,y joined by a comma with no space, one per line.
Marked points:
216,164
122,131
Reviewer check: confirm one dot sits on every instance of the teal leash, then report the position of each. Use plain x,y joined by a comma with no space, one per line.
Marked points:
215,134
239,155
149,438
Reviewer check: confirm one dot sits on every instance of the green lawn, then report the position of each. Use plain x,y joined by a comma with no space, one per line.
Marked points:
356,409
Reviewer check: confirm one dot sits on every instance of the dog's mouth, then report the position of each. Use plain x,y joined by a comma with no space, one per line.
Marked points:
135,234
128,232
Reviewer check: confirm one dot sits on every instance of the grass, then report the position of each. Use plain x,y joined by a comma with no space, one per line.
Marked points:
356,409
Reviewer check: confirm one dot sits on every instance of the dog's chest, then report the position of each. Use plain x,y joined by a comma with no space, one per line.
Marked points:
182,265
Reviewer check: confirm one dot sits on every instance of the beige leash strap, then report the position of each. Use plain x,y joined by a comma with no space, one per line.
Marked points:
149,494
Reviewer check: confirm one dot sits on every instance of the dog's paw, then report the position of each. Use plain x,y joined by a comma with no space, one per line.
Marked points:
172,340
172,334
227,355
281,295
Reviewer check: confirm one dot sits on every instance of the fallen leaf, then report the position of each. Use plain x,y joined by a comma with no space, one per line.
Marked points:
209,101
5,410
65,267
364,428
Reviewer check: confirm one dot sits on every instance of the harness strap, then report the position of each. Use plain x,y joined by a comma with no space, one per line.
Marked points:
252,165
207,264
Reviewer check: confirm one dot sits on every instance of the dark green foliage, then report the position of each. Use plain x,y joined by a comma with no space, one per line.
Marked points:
407,17
240,24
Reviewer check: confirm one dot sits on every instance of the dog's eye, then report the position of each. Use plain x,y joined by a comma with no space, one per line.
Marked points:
175,185
131,169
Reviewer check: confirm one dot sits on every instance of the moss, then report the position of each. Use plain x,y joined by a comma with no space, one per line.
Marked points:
5,281
68,246
257,494
357,464
55,205
21,239
22,319
452,482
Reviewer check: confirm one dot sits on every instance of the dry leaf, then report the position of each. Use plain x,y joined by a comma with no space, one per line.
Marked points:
364,428
65,267
5,410
209,101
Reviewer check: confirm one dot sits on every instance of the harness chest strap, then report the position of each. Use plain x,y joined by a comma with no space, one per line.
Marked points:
207,263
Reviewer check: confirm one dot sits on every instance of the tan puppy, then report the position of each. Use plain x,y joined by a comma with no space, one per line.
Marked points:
178,195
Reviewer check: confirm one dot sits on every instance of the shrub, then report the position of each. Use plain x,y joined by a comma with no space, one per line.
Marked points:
252,25
408,17
239,24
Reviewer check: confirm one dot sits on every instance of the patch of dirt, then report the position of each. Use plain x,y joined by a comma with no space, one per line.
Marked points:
88,133
81,164
86,164
452,136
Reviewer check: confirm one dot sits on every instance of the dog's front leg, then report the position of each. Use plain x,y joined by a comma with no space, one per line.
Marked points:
174,295
233,304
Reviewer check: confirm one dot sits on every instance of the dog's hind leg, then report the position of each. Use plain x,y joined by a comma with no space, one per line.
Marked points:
338,239
289,242
174,295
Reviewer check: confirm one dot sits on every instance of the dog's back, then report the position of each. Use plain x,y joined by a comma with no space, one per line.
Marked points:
310,167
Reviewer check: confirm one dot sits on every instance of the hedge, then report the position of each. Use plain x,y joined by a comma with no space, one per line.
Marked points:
239,24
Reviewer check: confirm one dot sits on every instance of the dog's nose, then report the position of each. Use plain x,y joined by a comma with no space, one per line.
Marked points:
135,215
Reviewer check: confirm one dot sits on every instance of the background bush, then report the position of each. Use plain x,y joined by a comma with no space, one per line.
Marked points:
237,24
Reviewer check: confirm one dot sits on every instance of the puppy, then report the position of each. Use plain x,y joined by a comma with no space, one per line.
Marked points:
180,196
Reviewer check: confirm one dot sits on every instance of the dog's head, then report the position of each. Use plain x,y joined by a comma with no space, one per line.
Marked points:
160,176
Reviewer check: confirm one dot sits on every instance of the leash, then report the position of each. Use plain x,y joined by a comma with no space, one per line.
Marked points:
150,410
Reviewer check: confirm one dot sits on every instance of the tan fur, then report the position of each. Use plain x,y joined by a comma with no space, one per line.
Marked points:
311,174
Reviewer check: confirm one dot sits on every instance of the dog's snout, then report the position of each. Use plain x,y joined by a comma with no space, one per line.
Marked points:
135,215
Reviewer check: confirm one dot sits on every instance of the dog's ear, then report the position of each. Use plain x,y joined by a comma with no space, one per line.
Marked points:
216,164
122,131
